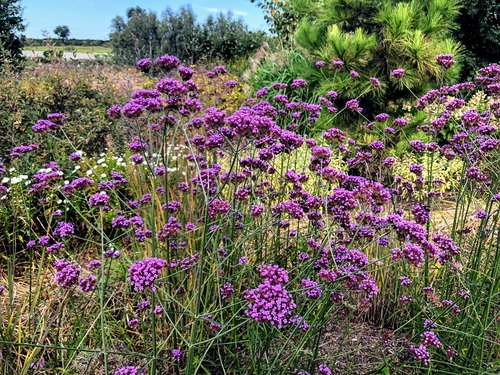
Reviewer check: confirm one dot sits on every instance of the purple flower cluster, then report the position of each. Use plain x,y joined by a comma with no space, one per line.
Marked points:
353,105
177,355
170,229
143,273
421,354
421,213
144,65
44,126
337,64
270,302
128,370
99,200
398,73
375,82
167,62
430,339
298,83
226,290
67,273
87,284
312,290
445,60
57,118
63,229
185,72
17,151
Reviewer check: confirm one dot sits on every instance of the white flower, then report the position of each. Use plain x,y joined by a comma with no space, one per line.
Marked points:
101,160
15,180
5,180
103,175
89,172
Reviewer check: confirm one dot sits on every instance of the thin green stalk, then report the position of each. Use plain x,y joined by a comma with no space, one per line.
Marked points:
102,291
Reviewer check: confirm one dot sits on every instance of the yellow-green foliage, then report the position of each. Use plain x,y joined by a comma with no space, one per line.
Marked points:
215,93
447,171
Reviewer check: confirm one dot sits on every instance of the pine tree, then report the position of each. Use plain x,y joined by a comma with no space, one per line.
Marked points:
374,37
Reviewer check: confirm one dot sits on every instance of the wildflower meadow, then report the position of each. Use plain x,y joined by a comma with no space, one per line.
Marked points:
251,234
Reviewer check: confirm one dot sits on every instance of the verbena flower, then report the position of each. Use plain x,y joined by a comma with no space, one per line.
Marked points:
44,126
231,83
63,229
324,370
273,274
421,213
167,62
404,280
375,82
312,290
87,284
144,65
38,365
337,64
67,273
445,60
298,83
353,105
143,273
177,355
226,290
421,354
270,303
430,339
99,200
398,73
128,370
185,72
158,310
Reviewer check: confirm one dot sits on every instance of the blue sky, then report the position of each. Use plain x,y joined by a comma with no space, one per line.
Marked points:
91,19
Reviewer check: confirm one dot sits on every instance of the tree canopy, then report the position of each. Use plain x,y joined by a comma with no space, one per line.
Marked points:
62,32
11,27
479,32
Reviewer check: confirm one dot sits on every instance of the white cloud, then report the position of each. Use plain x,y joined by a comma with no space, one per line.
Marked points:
236,12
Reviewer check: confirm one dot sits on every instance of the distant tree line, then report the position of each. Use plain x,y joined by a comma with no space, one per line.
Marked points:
143,34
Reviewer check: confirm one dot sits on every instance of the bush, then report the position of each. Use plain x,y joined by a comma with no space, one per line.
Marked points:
83,93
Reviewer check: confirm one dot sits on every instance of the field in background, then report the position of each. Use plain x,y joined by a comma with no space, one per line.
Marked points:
78,49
